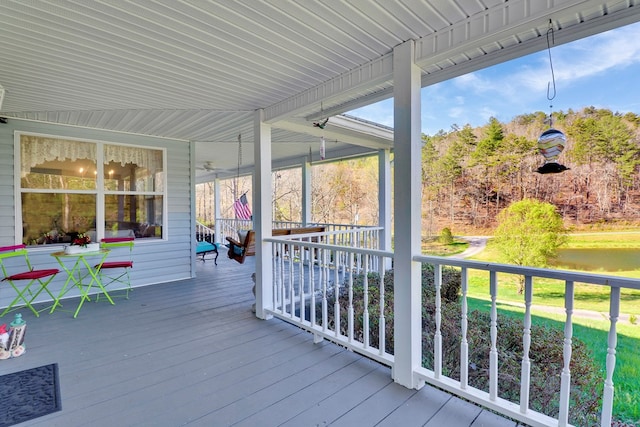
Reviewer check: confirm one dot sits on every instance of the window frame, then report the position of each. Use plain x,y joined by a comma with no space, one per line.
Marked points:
100,192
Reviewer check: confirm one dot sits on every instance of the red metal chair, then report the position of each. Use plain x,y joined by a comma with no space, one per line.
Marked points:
16,258
111,272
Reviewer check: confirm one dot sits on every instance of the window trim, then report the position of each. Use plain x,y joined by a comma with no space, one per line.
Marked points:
100,191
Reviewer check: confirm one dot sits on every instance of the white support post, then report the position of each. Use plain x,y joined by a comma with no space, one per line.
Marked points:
407,156
384,202
262,216
306,192
217,211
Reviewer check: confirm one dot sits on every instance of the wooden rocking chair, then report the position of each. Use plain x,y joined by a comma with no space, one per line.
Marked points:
238,251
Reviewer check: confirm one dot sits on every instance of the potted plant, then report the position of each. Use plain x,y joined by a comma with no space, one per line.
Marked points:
82,243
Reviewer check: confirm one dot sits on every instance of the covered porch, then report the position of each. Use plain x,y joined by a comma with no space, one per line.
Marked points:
192,353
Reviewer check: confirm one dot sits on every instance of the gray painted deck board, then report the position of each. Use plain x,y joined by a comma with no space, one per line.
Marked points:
192,353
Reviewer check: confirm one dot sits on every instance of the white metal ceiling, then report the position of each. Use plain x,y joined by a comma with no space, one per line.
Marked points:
197,70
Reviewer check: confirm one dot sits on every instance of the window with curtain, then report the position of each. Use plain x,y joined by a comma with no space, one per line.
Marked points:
68,187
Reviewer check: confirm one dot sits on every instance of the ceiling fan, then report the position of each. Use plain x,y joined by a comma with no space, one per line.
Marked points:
209,166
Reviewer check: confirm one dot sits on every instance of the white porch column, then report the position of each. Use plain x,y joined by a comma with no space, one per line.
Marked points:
262,215
407,157
306,192
384,201
216,210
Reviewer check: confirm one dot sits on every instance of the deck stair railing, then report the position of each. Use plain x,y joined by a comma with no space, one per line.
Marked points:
334,292
204,233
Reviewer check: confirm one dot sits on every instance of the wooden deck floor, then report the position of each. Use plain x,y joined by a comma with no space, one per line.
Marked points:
192,353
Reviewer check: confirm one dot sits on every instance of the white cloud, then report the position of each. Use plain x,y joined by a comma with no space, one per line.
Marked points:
584,58
486,113
456,112
572,62
520,86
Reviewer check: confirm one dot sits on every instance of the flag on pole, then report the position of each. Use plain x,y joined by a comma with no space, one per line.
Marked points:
241,207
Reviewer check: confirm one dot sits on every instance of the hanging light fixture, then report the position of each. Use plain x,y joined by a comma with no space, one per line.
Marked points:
322,148
552,141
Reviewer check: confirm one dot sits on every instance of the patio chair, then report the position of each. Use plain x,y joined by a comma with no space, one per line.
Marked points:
113,272
16,258
203,248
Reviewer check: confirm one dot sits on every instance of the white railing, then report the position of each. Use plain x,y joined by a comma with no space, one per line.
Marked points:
230,227
308,273
204,233
333,291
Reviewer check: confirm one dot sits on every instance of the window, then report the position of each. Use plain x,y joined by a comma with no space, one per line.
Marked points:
69,187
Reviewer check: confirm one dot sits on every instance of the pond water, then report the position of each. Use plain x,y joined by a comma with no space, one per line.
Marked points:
598,259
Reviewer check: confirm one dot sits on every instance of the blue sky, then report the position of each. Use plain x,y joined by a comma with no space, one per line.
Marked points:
601,71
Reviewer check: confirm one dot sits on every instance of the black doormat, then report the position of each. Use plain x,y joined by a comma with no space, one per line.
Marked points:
29,394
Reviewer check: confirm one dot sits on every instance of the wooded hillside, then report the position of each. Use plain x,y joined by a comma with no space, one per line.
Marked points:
470,174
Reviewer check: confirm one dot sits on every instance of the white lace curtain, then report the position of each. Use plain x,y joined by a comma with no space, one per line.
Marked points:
35,150
142,157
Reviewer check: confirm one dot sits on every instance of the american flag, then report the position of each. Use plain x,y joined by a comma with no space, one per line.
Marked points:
241,207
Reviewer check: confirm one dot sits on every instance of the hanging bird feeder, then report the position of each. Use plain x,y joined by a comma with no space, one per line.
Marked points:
550,145
551,142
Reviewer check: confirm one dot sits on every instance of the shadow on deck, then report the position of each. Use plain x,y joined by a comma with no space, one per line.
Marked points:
192,353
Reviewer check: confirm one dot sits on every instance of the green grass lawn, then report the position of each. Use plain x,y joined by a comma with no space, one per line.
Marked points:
587,297
595,334
432,246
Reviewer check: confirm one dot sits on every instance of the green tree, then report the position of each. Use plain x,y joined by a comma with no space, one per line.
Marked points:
488,156
431,179
529,233
446,236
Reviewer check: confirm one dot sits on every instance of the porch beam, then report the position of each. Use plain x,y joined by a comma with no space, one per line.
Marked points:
407,226
262,215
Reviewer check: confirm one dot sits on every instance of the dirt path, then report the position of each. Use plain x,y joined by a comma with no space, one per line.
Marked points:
476,245
586,314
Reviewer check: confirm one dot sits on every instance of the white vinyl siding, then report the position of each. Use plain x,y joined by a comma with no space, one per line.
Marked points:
155,261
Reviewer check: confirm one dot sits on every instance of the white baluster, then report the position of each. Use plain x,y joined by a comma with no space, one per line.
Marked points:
350,312
336,292
493,353
525,375
464,344
282,286
323,277
365,314
607,397
312,284
292,304
381,332
276,275
565,377
437,339
301,287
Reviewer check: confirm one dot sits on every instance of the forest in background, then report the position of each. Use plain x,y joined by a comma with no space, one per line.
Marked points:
470,174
